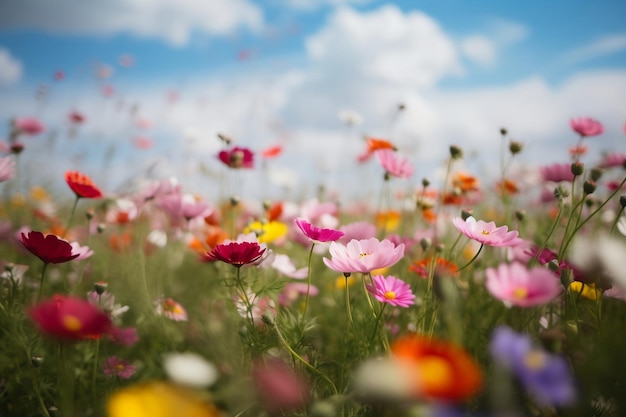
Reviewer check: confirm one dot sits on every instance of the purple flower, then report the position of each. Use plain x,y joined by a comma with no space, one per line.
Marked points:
487,233
391,290
115,366
317,234
545,376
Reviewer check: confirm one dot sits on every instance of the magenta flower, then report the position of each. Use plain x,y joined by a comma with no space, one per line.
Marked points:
363,255
317,234
391,290
236,253
358,231
613,159
7,168
29,125
51,249
237,157
557,172
514,284
487,233
125,336
115,366
394,164
586,126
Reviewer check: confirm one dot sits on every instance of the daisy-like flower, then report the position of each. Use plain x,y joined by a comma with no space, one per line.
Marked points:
83,252
7,168
114,366
69,318
237,254
514,284
545,376
237,157
443,371
190,369
267,232
586,126
317,234
487,233
391,290
557,172
363,255
51,249
82,185
393,164
171,309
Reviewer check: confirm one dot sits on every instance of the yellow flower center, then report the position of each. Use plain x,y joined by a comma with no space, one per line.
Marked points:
363,254
484,232
435,373
390,295
535,359
72,323
520,293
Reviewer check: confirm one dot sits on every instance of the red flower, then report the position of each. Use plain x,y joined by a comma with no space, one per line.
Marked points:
236,253
50,249
445,372
70,318
82,185
272,151
237,157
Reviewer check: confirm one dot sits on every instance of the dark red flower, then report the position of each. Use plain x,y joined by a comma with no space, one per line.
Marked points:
237,157
235,253
50,249
70,318
82,185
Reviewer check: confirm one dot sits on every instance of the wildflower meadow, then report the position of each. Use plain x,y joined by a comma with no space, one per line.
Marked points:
446,295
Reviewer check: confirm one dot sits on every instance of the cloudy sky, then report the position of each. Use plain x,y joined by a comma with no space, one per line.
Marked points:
174,73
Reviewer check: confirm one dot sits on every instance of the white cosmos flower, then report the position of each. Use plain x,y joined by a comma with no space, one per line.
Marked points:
190,369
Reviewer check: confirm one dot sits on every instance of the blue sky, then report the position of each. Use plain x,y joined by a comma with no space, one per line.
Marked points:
281,71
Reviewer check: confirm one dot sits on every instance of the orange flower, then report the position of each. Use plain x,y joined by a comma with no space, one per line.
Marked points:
444,371
388,220
508,186
121,242
374,145
274,212
82,185
442,266
465,182
272,152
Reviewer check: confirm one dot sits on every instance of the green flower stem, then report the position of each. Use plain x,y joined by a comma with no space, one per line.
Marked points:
41,280
95,372
547,239
69,221
376,324
301,359
367,294
348,307
308,284
473,259
244,297
65,384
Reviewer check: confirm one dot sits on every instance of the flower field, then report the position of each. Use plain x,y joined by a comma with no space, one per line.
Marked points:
462,296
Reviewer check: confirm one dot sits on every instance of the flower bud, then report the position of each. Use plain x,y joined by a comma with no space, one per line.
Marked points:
520,215
425,182
465,214
36,361
90,213
456,152
267,204
100,287
439,247
515,147
553,265
622,201
561,192
577,168
503,131
226,139
101,228
425,243
53,411
347,274
595,174
17,148
235,200
589,187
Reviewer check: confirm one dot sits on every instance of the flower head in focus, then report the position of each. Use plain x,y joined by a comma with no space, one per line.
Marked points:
317,234
487,233
82,185
391,290
237,254
363,255
51,249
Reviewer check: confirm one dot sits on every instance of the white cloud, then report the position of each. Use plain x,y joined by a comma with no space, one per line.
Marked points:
10,68
172,20
479,49
601,47
310,5
506,32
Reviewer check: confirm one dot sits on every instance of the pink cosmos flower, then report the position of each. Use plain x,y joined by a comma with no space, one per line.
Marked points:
613,159
393,164
514,284
284,266
125,336
586,126
7,168
29,125
317,234
358,231
391,290
293,290
115,366
557,172
363,255
83,252
184,205
487,233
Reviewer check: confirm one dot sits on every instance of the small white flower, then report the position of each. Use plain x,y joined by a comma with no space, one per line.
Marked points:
190,369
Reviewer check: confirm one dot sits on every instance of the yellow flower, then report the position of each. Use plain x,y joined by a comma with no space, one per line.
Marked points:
158,399
267,232
38,193
587,291
388,220
340,282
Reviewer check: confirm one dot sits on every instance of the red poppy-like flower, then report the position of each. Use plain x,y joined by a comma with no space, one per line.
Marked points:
50,248
236,253
70,318
272,152
82,185
237,157
444,371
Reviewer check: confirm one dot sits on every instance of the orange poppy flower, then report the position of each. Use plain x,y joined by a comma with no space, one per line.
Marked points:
444,371
465,182
374,145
